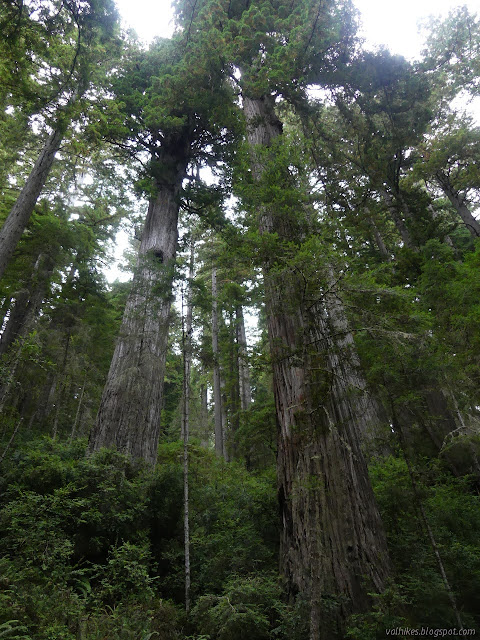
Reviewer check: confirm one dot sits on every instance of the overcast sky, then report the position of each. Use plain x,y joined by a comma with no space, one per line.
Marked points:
384,22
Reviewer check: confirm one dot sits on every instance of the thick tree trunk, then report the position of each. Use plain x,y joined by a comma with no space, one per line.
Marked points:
129,413
349,387
19,216
217,389
333,548
458,202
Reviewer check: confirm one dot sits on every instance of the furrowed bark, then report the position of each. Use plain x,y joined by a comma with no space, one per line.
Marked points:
19,216
129,413
354,402
333,548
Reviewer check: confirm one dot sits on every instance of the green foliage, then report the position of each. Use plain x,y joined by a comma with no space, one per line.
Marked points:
93,545
416,596
248,608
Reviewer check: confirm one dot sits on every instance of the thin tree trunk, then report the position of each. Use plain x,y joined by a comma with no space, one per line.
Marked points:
129,413
8,385
17,426
187,360
77,414
333,548
61,393
27,302
217,391
19,216
431,537
187,340
382,248
461,208
223,407
245,388
204,415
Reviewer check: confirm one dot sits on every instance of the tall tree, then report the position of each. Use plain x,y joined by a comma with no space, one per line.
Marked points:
88,26
174,109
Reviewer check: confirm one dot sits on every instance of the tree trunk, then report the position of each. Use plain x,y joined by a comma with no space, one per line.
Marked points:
353,400
243,370
129,413
204,426
187,345
379,241
187,360
73,432
397,219
458,202
27,302
217,390
333,548
19,216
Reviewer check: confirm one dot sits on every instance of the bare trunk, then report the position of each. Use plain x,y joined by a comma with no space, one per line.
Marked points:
217,390
187,360
204,415
129,413
79,407
19,216
243,370
187,343
333,548
63,386
12,438
458,202
223,405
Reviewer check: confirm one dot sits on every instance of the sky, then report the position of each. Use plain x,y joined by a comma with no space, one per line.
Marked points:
393,24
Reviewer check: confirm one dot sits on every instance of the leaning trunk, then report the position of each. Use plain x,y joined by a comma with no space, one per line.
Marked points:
19,216
129,413
461,208
333,548
27,303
